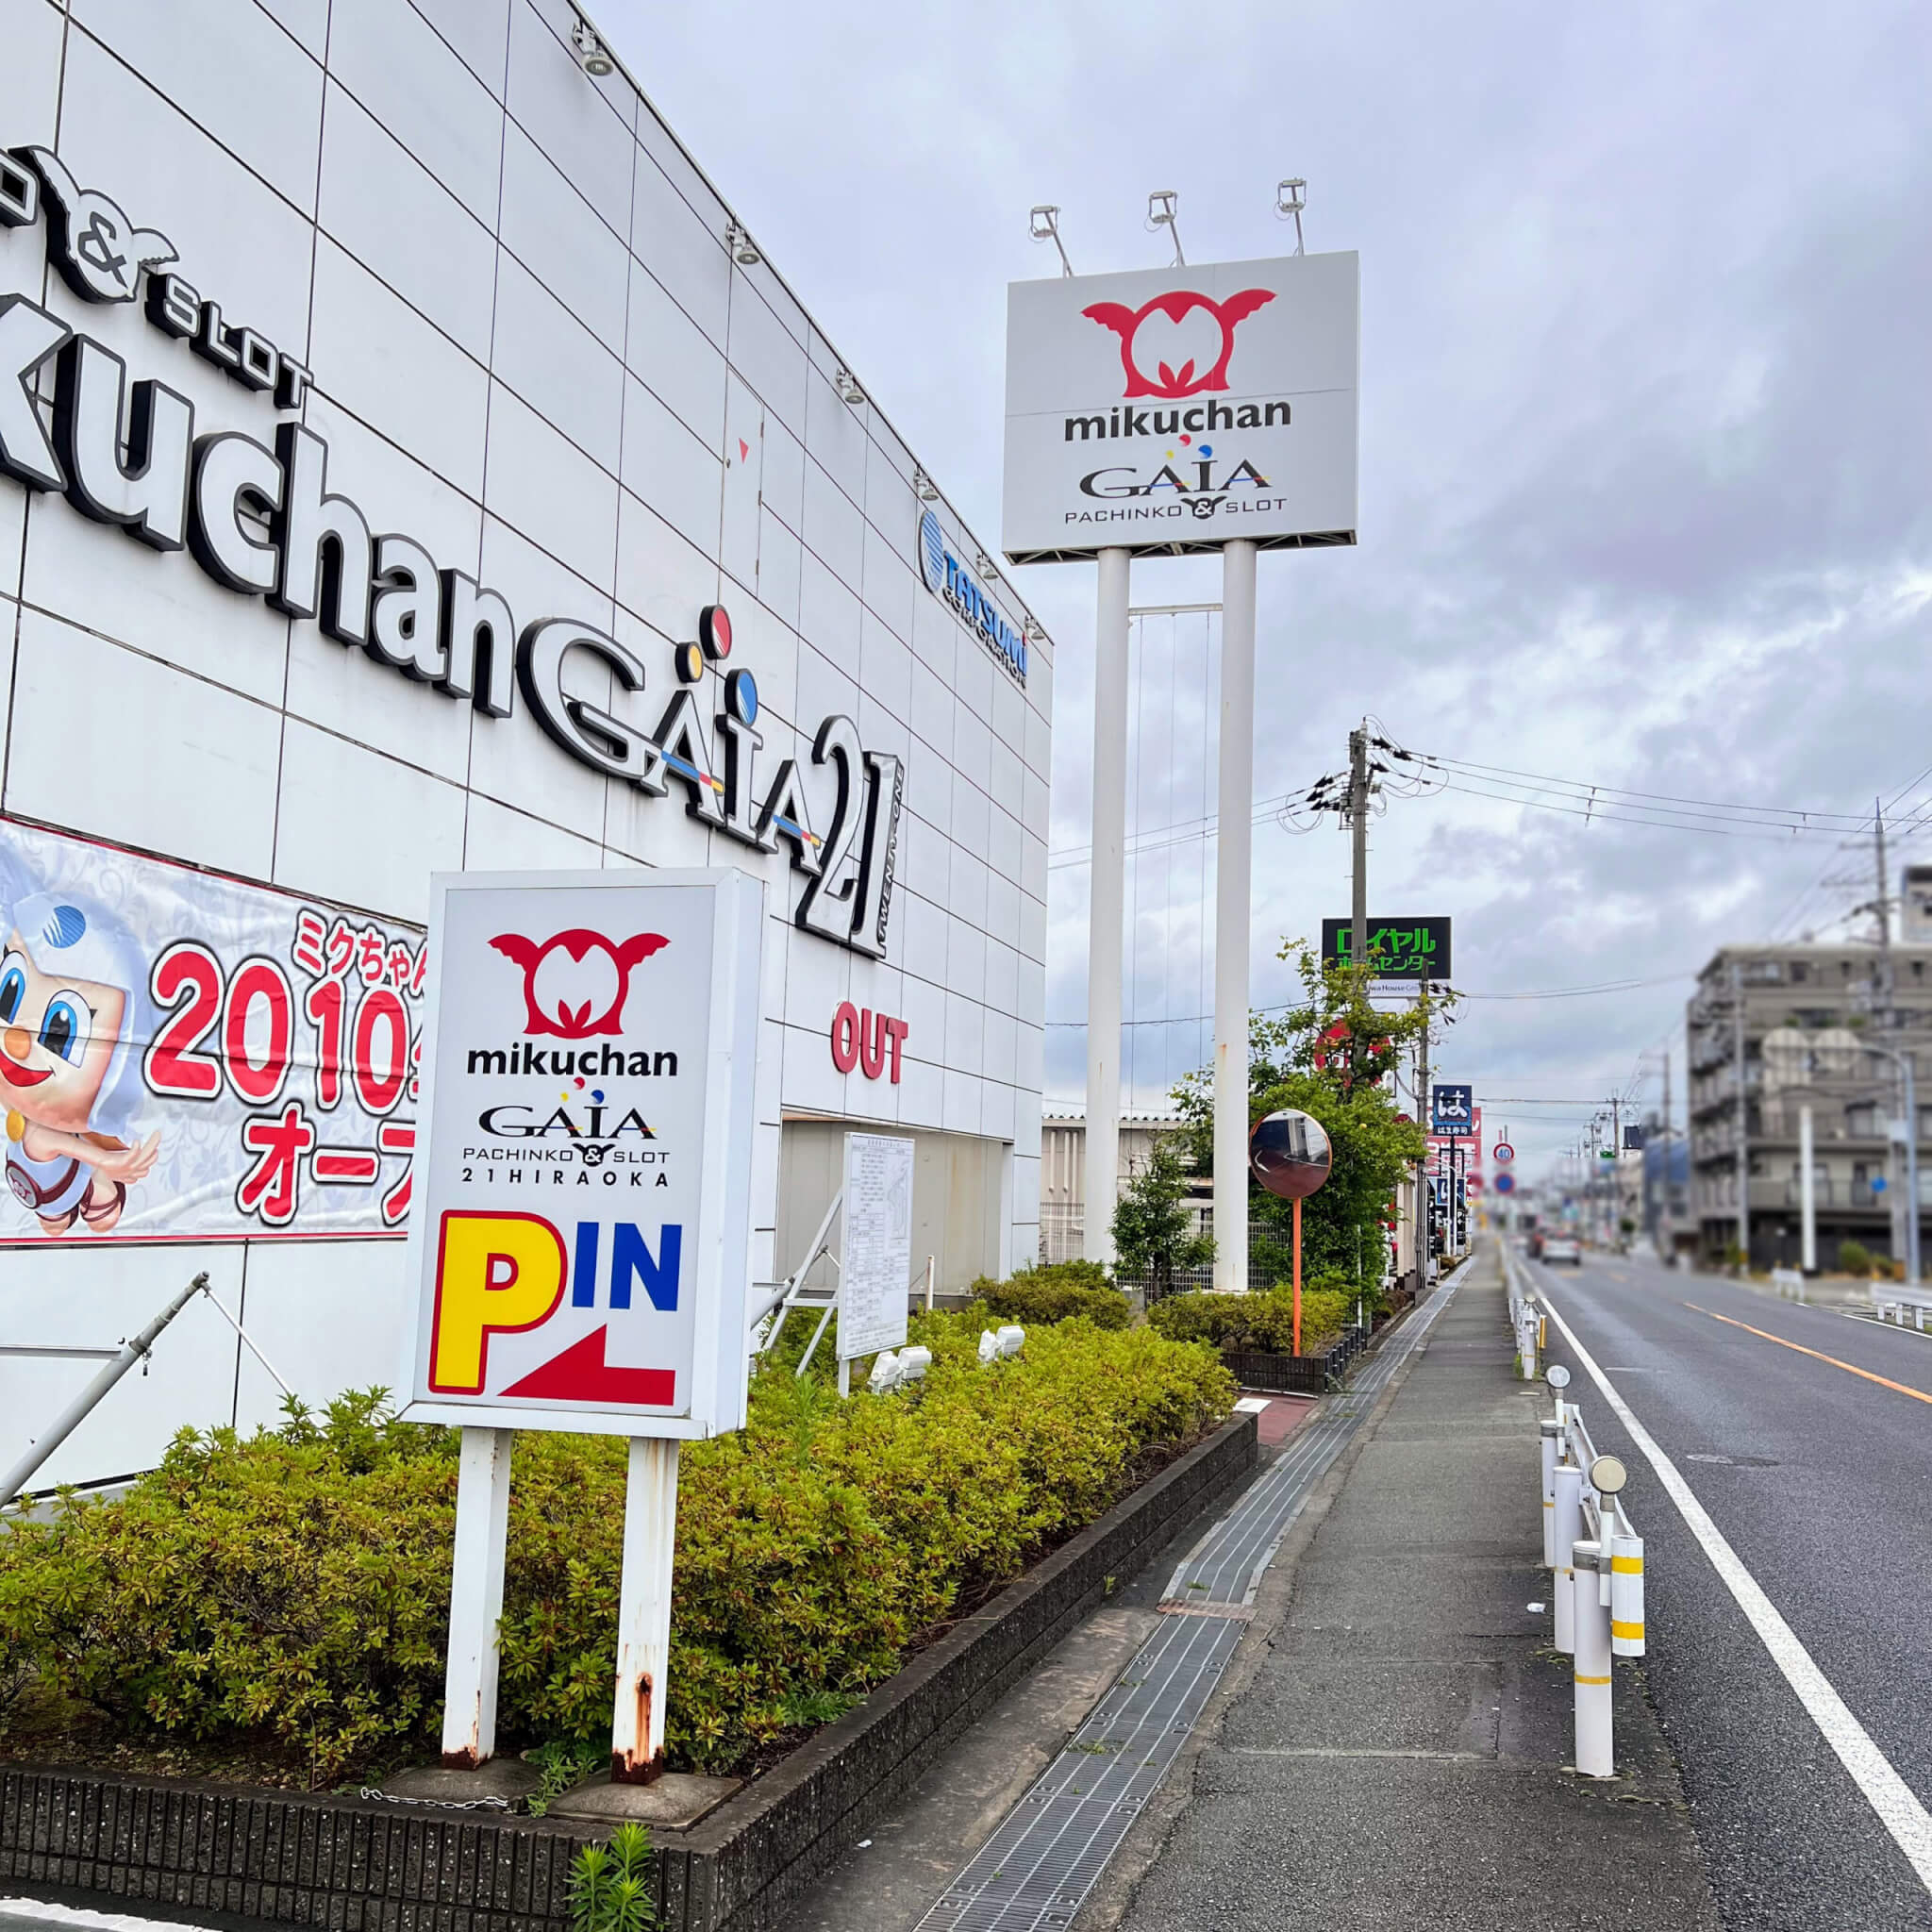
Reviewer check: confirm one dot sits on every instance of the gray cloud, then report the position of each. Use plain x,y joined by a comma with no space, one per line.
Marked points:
1647,476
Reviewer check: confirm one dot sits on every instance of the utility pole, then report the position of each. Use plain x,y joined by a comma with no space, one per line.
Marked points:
1743,1114
1425,1114
1881,1020
1616,1228
1592,1211
1359,824
1665,1217
1882,905
1359,900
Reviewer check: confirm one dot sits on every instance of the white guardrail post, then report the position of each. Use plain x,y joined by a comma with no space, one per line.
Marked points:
1591,1617
1595,1560
1568,1532
1551,1431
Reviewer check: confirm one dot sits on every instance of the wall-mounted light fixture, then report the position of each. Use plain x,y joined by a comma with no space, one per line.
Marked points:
744,251
592,56
985,566
847,386
924,488
1036,631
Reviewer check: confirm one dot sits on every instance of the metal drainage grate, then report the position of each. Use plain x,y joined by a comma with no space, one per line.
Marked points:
1048,1853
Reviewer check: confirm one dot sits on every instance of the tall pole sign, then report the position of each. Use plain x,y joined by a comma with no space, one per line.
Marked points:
1171,413
580,1251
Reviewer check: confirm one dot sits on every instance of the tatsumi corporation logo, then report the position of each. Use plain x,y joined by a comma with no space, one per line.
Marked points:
100,251
946,576
1177,305
575,982
932,552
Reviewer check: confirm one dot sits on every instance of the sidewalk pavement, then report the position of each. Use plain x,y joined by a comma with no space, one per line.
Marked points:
1390,1743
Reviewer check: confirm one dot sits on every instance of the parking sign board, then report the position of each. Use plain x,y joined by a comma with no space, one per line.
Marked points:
580,1249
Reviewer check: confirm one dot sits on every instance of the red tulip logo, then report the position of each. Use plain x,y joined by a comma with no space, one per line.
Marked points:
1177,305
575,982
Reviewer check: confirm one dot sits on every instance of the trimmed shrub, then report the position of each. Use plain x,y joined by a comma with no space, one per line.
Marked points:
1054,1292
1855,1258
287,1594
1263,1321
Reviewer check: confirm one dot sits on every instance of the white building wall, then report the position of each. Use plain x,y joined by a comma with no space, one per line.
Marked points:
533,353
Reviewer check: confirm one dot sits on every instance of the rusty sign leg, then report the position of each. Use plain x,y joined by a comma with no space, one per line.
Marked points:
643,1612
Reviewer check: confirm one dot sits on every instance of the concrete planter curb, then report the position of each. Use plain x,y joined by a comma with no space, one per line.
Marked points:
211,1851
180,1847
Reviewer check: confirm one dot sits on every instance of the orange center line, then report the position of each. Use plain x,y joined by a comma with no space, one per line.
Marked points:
1917,1394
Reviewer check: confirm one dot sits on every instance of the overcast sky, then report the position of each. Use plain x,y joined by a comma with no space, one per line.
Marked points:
1646,429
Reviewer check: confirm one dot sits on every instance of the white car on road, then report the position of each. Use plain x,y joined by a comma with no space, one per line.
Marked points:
1561,1247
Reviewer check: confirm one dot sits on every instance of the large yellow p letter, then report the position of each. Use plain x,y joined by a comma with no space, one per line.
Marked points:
495,1273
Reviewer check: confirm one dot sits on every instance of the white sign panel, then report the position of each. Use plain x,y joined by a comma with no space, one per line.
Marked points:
1172,409
580,1249
877,1261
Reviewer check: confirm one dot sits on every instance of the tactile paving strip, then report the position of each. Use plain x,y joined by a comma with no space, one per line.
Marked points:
1048,1853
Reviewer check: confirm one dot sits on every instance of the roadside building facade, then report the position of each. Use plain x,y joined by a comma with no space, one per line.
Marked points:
412,465
1063,1175
1807,1019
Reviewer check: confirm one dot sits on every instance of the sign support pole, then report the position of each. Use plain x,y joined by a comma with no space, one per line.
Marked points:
643,1612
1233,877
475,1599
1107,907
1297,1274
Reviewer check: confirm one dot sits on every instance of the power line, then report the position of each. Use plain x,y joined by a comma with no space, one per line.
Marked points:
1186,830
1851,820
1571,993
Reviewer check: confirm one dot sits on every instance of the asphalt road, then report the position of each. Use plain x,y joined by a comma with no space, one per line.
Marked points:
1822,1482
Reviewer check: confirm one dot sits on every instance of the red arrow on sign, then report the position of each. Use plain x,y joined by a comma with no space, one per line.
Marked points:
581,1374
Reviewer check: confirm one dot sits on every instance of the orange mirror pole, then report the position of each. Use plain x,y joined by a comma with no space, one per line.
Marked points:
1297,1274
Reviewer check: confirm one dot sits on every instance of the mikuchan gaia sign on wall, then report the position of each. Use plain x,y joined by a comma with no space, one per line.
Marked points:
591,1273
132,454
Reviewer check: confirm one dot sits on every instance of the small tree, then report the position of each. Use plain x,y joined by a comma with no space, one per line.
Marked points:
1154,1233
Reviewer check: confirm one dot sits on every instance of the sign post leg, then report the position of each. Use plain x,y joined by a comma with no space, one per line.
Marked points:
475,1599
1106,935
643,1612
1234,845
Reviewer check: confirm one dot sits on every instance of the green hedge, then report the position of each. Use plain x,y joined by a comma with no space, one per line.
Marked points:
1054,1291
1264,1322
288,1592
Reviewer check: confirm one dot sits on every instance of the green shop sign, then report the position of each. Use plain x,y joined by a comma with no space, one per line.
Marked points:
1398,948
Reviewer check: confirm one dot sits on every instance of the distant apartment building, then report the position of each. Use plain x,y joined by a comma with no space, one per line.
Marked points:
1806,1019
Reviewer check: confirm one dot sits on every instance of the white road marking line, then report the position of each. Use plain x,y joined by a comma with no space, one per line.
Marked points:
1897,1806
